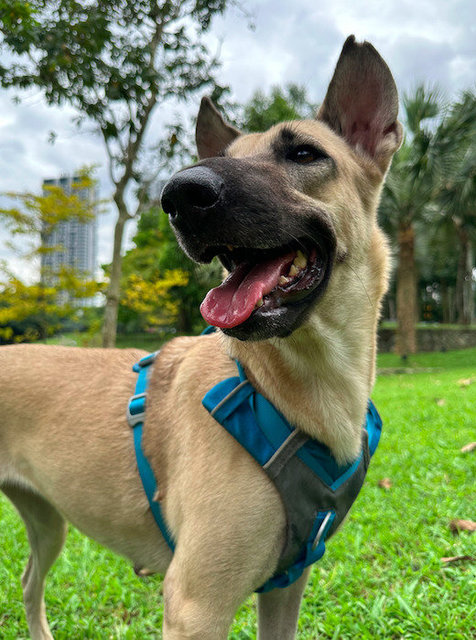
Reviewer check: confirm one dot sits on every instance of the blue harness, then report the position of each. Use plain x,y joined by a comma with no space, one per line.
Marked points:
316,492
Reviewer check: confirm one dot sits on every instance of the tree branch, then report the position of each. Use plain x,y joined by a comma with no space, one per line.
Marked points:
110,155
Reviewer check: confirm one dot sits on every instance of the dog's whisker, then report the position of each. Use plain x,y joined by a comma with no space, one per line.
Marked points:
361,282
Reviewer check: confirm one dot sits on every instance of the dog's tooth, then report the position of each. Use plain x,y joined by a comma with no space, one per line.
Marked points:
283,280
293,271
300,260
259,303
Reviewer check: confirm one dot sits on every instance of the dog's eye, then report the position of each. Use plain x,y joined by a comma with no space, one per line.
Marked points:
305,154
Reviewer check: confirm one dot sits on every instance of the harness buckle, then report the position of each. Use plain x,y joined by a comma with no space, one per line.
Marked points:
147,360
138,416
321,530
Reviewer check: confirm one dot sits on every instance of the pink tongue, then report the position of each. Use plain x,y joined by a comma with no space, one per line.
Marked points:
233,301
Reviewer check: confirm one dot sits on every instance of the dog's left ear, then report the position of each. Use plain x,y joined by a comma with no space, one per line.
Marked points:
212,133
361,103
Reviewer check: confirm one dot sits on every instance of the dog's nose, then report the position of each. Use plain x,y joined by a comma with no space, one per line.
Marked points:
196,188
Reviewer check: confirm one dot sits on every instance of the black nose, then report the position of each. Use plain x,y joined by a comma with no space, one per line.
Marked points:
197,188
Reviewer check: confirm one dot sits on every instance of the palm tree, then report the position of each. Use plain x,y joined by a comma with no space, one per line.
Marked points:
437,265
456,139
408,193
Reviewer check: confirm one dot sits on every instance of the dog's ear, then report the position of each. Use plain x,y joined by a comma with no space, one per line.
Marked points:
361,103
212,133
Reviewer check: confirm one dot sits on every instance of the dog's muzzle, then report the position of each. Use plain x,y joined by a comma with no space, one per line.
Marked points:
277,247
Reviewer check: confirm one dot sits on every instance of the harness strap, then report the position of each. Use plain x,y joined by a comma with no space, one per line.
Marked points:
283,455
135,417
315,490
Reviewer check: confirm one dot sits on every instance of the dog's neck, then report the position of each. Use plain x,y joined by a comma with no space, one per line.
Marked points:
319,378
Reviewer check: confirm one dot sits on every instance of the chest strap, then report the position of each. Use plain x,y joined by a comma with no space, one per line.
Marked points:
135,417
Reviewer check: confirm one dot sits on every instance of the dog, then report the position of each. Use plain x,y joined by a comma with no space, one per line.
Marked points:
292,215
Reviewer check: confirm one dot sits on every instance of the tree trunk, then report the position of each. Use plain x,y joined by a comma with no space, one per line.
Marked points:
406,291
445,303
451,303
464,278
113,291
387,307
183,324
392,307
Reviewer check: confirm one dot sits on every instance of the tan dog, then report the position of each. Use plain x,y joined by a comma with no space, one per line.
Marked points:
305,338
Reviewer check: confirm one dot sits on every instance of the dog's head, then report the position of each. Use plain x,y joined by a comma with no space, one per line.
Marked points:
286,209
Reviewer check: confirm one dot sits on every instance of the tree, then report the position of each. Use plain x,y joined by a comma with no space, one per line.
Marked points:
408,192
456,199
437,264
39,214
34,311
151,299
27,312
201,279
161,285
263,111
115,62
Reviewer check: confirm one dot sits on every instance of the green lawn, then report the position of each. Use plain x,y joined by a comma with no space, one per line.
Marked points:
382,576
146,341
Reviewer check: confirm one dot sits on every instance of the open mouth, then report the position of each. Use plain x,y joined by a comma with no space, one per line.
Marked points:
262,281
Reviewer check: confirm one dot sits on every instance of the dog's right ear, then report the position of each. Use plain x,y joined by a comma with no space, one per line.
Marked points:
361,103
212,133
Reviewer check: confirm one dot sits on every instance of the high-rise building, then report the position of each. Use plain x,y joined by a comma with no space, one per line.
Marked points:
76,240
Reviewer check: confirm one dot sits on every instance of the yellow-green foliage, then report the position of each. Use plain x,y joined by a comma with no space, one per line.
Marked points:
21,302
39,306
152,298
32,311
39,214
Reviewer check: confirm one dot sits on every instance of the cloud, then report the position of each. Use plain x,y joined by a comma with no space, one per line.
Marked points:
284,47
426,41
422,61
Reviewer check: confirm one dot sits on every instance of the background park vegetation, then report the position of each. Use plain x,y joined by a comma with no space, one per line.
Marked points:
428,209
117,63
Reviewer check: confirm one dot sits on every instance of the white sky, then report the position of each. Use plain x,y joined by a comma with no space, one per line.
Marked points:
431,41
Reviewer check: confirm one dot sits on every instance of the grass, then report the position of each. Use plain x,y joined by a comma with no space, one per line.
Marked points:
146,341
436,326
431,362
382,576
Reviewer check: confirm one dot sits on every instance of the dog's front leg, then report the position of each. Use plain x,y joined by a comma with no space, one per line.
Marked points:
212,574
197,605
278,611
